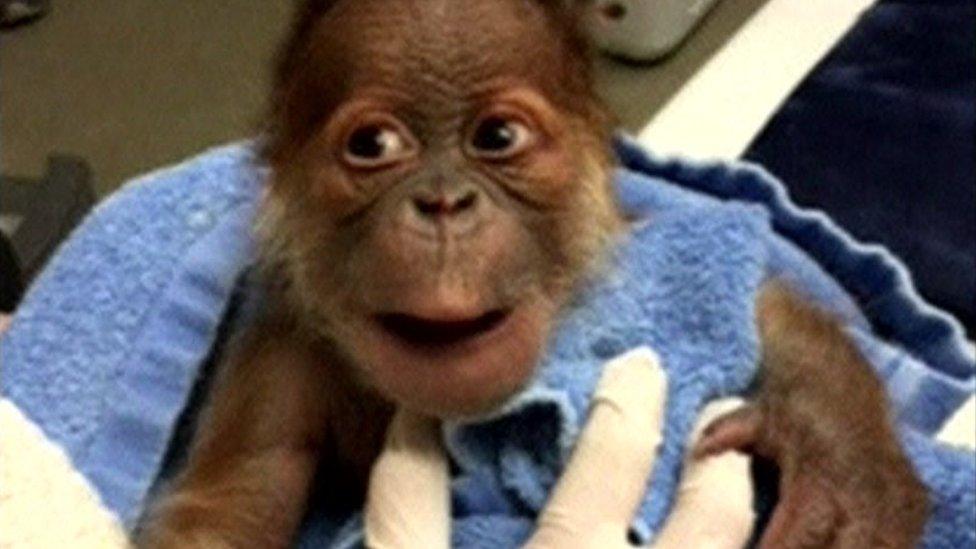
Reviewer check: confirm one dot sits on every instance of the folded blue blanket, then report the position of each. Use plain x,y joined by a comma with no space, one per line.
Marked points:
109,343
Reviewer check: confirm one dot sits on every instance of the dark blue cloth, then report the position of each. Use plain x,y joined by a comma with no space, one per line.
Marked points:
882,136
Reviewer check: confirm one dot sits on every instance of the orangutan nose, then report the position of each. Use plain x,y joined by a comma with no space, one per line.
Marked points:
454,210
446,203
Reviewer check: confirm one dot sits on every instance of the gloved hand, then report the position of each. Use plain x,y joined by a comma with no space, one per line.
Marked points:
408,504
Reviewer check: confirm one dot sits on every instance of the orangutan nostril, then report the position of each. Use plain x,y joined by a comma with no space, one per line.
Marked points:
466,201
613,10
430,206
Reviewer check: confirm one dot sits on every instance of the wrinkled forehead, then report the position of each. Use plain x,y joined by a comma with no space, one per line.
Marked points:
444,50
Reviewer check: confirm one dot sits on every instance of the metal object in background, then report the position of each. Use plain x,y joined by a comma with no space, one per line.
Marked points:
36,215
11,283
14,13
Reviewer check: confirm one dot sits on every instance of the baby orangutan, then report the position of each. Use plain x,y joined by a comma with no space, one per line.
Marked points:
440,187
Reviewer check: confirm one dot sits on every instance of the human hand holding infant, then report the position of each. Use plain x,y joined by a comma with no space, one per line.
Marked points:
409,503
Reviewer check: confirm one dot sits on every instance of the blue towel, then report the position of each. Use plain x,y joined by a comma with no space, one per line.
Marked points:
111,340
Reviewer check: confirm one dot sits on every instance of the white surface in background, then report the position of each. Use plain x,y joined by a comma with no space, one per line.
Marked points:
9,223
719,111
647,29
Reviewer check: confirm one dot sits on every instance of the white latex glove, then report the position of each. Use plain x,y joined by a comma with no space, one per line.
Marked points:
408,504
408,501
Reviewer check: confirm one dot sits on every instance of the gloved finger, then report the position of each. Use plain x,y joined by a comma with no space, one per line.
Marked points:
599,492
408,501
713,509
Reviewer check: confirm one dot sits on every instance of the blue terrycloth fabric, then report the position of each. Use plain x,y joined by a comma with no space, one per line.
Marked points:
108,344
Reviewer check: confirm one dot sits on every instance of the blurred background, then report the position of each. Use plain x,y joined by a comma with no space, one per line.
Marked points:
130,85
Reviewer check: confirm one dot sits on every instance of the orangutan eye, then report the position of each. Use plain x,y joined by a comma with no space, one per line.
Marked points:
376,145
500,137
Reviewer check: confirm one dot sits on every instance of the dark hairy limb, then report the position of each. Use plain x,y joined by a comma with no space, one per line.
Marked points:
258,446
822,415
